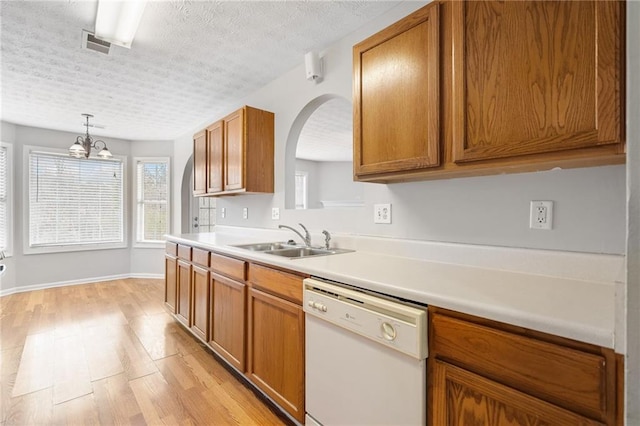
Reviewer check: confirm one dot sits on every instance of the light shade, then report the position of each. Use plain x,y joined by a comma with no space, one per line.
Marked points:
104,153
77,150
117,21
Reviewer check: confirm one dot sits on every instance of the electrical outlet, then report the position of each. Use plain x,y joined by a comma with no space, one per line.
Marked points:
275,213
223,212
382,213
541,215
245,213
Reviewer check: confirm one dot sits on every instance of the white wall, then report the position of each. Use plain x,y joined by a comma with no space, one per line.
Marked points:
337,182
589,203
54,268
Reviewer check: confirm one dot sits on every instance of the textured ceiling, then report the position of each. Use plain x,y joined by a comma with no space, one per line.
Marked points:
327,134
190,61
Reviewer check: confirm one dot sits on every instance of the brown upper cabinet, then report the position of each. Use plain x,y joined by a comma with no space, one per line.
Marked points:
396,97
238,154
200,163
523,86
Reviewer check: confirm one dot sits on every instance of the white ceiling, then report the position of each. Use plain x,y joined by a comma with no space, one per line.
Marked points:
327,134
190,61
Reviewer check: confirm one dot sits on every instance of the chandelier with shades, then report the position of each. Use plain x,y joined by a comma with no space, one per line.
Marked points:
83,145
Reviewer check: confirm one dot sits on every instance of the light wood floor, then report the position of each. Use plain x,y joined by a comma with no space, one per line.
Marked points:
108,353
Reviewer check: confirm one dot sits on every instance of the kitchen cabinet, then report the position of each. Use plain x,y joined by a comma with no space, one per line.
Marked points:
235,154
215,157
228,309
276,337
468,398
488,373
534,77
170,277
519,86
228,321
396,96
200,163
200,293
183,304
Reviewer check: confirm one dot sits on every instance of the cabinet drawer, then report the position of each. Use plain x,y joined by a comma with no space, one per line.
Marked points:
171,248
232,268
276,282
567,377
200,257
184,252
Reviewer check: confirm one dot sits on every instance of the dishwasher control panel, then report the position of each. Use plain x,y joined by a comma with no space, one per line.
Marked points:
390,323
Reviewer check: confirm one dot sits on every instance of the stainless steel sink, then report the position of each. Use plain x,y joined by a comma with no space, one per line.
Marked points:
265,246
290,250
306,252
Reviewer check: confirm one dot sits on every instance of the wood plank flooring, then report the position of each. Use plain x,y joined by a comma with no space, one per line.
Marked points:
108,353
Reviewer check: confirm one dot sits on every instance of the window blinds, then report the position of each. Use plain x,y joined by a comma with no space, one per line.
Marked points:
4,195
152,177
74,201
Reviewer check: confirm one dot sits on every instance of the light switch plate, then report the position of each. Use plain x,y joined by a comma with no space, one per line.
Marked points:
382,213
223,212
245,213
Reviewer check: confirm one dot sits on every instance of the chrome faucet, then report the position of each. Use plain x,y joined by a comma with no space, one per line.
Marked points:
307,236
327,238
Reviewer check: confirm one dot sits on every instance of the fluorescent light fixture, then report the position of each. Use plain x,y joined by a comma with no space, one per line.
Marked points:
117,21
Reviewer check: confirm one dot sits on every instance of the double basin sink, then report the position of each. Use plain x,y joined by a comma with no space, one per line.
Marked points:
291,250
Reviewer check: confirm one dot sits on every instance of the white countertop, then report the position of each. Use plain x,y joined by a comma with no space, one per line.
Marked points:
578,309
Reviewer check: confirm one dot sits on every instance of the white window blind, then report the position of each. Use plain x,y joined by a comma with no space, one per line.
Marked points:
74,201
152,177
4,199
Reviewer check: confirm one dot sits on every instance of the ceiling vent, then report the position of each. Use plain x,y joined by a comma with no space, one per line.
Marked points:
91,42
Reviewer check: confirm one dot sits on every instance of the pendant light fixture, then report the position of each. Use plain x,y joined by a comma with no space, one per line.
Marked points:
83,145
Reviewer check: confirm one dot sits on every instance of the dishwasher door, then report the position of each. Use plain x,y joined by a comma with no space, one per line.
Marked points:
354,373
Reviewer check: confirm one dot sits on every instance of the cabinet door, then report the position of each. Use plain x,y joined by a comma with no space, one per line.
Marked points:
200,292
276,350
396,96
234,151
535,77
215,157
183,304
462,398
228,313
200,163
170,283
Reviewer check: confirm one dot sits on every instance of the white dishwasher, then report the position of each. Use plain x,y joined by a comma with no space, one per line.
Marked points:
365,358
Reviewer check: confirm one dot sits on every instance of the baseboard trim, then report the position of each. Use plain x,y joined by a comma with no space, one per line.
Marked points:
13,290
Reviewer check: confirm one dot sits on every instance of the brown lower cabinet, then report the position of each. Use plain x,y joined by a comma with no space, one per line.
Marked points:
276,350
228,319
200,292
250,315
487,373
183,304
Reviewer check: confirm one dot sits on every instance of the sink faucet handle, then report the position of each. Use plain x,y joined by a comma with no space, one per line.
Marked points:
327,238
307,235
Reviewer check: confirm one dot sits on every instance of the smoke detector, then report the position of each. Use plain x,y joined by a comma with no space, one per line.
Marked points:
91,42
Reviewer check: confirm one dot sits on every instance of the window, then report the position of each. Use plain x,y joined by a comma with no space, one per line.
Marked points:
301,190
152,188
6,226
74,203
